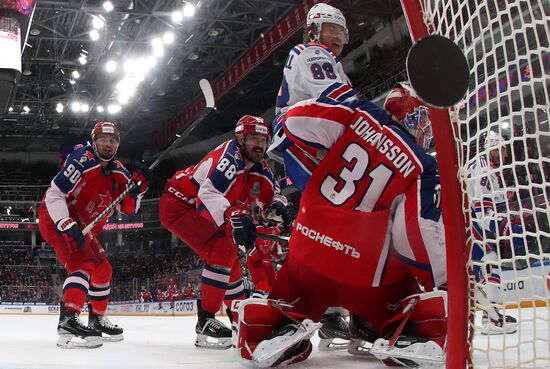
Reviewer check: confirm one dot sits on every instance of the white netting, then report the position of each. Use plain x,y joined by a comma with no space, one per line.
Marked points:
507,212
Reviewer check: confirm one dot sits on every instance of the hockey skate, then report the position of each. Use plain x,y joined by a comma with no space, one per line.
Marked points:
490,326
334,333
412,352
109,331
287,345
73,333
362,335
211,333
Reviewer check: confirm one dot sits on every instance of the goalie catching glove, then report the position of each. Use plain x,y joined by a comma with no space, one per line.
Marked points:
72,233
141,176
277,211
240,225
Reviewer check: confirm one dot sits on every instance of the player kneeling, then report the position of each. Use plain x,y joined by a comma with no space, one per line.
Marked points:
270,334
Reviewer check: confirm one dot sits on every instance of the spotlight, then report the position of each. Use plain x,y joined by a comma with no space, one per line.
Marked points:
100,109
59,108
108,6
189,10
75,74
94,35
168,38
113,108
97,22
110,66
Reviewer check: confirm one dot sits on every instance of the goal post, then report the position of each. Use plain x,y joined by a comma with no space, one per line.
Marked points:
506,43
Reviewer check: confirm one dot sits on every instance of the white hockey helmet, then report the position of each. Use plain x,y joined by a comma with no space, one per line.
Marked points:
325,13
493,140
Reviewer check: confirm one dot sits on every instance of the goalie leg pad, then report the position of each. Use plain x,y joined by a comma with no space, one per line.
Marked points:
290,344
425,316
258,319
409,352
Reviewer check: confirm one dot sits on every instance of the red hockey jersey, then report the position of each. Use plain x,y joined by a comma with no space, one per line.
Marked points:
373,191
221,180
82,190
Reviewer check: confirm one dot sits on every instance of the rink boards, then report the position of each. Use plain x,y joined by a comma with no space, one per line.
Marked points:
177,308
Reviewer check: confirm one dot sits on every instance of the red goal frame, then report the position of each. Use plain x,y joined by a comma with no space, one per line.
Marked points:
458,347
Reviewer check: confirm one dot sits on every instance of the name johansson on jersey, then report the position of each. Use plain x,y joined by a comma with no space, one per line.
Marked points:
384,145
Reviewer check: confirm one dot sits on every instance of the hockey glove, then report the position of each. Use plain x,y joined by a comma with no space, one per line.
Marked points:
278,212
141,174
71,233
240,224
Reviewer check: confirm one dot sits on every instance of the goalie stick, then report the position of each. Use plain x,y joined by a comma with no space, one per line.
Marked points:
209,97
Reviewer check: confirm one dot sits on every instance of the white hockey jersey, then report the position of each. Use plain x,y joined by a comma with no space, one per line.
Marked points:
486,193
309,69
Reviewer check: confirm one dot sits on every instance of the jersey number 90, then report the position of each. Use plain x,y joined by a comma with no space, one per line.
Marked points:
72,173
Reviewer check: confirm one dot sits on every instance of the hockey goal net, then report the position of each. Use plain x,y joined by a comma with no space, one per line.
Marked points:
506,43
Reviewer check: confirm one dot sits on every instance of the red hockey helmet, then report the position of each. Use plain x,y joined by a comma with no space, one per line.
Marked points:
250,124
105,128
405,108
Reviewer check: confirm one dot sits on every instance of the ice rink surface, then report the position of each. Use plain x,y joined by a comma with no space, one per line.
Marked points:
29,341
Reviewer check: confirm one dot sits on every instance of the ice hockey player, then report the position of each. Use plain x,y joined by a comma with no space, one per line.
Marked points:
86,184
368,237
487,194
259,259
311,68
207,206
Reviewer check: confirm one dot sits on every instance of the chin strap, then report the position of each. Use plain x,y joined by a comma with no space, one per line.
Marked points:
94,146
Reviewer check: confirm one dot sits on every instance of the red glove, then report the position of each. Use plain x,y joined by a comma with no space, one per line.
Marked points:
141,175
72,233
240,225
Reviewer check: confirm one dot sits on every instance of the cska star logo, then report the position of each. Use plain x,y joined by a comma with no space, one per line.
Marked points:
106,199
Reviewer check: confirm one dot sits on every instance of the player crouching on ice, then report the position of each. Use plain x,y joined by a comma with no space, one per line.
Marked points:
207,206
368,236
86,184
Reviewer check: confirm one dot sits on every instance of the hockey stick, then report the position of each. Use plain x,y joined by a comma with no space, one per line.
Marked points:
438,71
273,237
209,97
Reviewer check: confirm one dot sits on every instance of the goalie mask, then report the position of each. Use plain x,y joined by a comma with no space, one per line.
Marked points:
405,108
324,13
105,140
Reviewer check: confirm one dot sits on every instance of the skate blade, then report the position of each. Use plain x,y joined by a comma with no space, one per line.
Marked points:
332,344
69,341
495,330
268,352
359,347
202,341
114,338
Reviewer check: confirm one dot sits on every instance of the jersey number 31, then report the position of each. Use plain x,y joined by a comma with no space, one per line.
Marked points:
339,189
